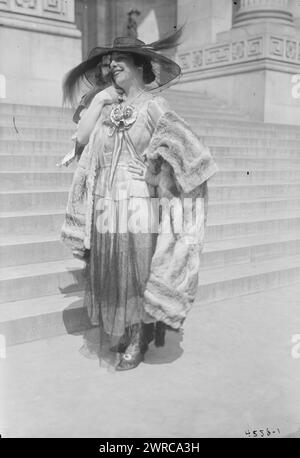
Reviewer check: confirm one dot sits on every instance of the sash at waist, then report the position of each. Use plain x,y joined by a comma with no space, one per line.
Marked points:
123,187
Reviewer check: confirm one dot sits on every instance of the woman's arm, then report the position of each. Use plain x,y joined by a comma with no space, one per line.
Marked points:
90,116
88,121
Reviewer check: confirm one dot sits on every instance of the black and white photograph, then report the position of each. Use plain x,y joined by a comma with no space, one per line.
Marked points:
149,221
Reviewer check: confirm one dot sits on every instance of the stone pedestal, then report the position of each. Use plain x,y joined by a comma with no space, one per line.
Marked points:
39,43
251,66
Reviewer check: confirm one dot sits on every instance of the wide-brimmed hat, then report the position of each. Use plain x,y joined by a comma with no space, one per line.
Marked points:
164,68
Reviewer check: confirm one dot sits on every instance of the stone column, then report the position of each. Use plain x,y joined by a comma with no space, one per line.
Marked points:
39,43
255,11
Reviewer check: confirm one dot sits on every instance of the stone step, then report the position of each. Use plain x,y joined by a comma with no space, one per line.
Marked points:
238,130
29,249
207,112
214,140
35,222
220,228
184,100
35,162
35,133
221,225
287,154
34,110
43,316
253,191
193,113
237,280
57,199
256,163
256,176
203,126
34,280
35,180
252,208
196,100
172,94
39,122
43,128
40,279
227,162
39,181
40,135
33,199
260,158
38,143
62,177
39,147
202,111
243,123
254,248
240,121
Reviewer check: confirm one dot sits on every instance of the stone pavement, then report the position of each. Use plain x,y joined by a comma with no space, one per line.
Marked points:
233,371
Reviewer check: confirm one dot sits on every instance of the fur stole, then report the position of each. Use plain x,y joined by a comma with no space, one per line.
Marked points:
173,280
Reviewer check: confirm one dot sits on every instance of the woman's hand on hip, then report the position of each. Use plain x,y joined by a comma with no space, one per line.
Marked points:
137,169
140,171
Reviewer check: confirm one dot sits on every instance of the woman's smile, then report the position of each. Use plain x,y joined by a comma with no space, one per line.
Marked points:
116,71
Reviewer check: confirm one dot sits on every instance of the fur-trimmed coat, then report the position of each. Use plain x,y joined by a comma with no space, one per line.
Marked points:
173,280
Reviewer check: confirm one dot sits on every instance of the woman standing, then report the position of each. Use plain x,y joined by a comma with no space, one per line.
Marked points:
136,149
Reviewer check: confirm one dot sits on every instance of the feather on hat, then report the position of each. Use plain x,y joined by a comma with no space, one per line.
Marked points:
164,68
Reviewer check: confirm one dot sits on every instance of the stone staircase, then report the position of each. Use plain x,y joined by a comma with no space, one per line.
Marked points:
253,233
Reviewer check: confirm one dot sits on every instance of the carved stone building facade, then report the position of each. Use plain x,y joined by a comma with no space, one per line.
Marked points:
246,52
253,62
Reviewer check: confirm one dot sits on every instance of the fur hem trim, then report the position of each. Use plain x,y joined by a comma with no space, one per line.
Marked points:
165,303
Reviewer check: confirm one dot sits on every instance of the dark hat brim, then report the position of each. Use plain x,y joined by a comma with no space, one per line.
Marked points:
164,68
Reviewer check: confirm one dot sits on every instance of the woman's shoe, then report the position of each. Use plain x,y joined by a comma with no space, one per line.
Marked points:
119,348
130,360
125,339
134,353
122,344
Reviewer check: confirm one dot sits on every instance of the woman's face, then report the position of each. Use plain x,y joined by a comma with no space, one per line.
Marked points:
124,71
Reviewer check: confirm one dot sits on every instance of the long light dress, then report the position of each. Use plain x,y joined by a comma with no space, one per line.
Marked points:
120,258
